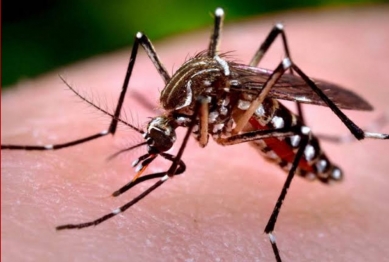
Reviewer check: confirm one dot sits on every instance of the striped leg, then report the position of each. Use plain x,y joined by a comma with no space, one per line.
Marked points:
163,178
375,125
305,134
277,30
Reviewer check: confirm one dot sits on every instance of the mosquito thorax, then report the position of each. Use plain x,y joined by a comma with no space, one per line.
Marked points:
160,135
200,76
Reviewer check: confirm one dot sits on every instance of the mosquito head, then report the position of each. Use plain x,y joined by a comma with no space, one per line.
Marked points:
160,135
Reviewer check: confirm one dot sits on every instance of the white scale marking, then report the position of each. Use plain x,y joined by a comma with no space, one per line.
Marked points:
223,64
181,120
105,132
309,152
336,174
212,116
243,105
295,140
135,162
226,101
234,82
138,168
272,238
303,99
207,83
286,63
321,165
116,211
217,127
280,26
195,128
219,12
278,122
305,130
375,135
188,98
164,178
223,110
260,111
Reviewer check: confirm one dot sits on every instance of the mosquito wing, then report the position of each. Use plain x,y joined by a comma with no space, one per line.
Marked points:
293,88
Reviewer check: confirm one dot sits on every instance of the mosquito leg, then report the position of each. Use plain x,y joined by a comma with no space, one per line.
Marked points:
305,134
277,30
203,124
257,135
143,40
163,177
213,48
116,211
270,82
357,132
376,125
181,169
146,44
200,101
152,54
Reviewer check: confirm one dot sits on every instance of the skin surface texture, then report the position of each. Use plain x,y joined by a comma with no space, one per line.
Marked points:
216,210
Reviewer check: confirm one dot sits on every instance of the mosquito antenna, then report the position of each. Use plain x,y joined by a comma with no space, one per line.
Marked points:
125,150
99,108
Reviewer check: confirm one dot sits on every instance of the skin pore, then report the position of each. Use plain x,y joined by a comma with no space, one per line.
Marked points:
216,210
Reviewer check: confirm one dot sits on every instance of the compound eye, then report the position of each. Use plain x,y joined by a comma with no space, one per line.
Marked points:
160,141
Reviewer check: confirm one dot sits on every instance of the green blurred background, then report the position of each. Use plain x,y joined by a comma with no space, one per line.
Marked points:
40,35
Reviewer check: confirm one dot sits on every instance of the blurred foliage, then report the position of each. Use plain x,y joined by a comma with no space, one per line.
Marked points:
40,35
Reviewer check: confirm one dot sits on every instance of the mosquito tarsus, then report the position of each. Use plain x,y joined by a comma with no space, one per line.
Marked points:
234,103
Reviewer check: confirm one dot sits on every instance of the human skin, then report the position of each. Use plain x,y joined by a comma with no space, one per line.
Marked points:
218,209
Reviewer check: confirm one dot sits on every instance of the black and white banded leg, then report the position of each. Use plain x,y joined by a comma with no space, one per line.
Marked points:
357,132
376,125
277,30
163,178
305,134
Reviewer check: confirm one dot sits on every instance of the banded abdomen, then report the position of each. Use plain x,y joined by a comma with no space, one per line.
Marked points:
314,164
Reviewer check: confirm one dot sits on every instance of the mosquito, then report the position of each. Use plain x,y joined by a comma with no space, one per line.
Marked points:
233,103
